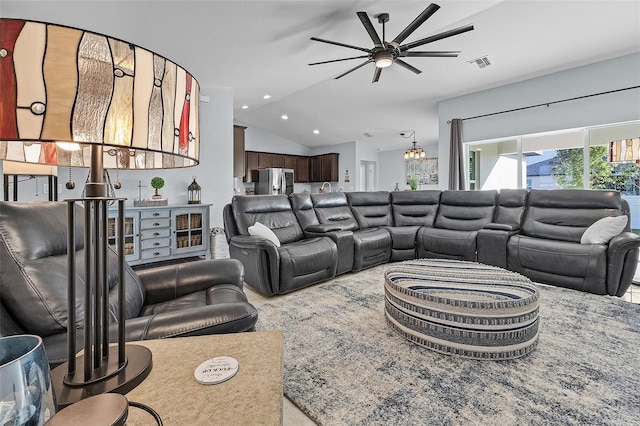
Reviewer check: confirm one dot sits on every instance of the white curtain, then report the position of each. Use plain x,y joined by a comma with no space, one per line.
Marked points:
456,156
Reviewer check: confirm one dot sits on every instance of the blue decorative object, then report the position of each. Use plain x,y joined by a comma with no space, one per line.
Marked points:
26,392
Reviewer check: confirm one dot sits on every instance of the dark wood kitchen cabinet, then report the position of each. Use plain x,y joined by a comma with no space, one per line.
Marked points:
317,168
302,170
290,162
250,165
277,160
264,160
324,168
330,167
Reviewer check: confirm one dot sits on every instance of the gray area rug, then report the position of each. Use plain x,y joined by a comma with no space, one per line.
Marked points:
343,365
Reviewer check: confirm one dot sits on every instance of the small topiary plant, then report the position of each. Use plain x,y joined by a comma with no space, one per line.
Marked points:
413,183
157,183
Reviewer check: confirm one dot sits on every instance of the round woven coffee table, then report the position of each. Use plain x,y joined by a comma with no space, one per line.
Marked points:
462,308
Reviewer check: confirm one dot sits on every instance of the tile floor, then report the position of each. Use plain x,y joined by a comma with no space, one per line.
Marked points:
292,416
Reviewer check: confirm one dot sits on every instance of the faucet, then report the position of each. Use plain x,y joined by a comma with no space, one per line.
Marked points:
322,187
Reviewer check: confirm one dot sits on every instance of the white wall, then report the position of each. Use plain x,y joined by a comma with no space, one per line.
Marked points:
603,76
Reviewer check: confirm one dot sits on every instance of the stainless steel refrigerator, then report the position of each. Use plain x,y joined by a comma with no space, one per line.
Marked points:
274,181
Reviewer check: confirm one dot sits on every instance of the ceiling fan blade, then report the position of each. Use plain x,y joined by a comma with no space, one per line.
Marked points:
364,18
376,74
436,37
354,68
403,64
338,60
440,54
426,14
340,44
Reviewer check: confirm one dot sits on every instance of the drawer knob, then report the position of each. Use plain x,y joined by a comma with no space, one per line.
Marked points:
156,254
156,224
156,244
156,214
155,234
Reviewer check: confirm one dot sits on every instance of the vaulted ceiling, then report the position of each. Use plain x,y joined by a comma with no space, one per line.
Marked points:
264,47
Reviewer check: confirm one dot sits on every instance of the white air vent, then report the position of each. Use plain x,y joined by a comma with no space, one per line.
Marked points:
481,62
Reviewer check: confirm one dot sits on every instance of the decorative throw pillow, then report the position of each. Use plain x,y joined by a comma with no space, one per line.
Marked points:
261,230
602,231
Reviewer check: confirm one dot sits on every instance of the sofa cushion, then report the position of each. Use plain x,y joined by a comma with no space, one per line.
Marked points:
333,208
565,214
465,210
371,209
605,229
447,244
415,207
303,209
372,247
511,207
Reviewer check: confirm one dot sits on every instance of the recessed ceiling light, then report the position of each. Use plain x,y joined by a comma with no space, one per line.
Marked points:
316,131
245,106
285,117
266,97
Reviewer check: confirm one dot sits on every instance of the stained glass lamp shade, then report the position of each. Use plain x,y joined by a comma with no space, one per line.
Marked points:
65,87
76,98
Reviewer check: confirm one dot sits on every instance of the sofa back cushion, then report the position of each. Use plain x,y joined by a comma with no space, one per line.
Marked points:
303,209
564,214
511,206
333,208
273,211
371,209
466,210
33,275
415,207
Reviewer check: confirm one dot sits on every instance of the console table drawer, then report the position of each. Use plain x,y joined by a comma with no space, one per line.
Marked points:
155,233
155,214
156,252
155,223
155,243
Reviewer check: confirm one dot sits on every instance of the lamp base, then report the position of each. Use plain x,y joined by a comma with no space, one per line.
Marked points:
137,368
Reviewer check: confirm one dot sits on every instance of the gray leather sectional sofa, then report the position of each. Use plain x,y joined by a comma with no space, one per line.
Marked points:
536,233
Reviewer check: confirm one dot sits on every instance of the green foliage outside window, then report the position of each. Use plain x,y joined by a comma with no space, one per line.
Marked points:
568,170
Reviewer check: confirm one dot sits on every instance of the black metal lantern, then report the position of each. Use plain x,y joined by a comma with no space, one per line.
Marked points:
194,192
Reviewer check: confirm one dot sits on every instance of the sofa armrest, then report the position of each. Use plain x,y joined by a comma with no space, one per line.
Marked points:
261,261
501,227
173,281
222,318
622,260
492,246
323,227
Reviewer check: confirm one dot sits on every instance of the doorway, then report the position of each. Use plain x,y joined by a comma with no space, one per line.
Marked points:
368,176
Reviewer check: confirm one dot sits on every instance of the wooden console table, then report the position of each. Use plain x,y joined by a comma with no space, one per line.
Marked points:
252,397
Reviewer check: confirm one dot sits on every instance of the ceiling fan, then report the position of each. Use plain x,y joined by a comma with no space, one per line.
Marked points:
384,53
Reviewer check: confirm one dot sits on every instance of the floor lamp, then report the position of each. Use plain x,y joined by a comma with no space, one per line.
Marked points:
79,99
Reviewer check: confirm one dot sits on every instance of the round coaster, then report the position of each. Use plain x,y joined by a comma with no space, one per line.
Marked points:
216,370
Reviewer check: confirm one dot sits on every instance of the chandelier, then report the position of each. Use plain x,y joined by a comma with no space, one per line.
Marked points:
414,151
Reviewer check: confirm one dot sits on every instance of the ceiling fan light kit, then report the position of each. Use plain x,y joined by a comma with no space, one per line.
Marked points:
384,54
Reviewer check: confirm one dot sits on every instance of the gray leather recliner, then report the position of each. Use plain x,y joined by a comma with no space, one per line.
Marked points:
297,263
547,249
196,298
460,216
